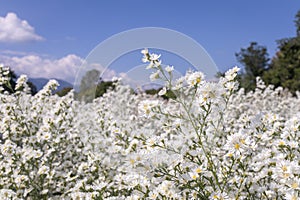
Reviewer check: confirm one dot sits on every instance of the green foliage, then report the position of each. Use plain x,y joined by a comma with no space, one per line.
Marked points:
285,66
254,58
103,86
63,91
255,61
297,22
284,69
152,91
32,87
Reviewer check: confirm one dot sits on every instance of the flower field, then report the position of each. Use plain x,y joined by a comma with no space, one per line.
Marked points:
208,141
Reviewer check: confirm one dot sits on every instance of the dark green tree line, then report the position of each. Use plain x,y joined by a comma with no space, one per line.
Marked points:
283,69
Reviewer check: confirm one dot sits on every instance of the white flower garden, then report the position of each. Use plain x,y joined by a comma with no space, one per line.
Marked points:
210,141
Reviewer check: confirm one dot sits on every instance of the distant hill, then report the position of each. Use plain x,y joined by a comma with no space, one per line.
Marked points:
41,82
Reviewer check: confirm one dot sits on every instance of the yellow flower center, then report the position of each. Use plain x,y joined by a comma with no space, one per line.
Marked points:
284,168
295,185
198,170
194,176
132,161
237,146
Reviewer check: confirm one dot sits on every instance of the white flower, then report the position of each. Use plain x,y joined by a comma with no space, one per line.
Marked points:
294,184
150,66
4,71
157,63
194,79
154,76
43,170
194,175
52,84
232,73
153,195
145,51
169,69
177,123
236,69
163,91
48,88
45,191
145,59
292,195
145,55
236,143
260,83
21,82
179,83
7,194
219,196
154,57
116,79
231,85
209,92
46,136
146,107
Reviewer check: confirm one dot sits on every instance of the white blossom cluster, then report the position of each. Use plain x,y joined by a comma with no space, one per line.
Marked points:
4,76
208,141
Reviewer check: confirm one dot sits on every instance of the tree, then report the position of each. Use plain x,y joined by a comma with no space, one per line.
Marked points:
285,66
103,86
284,69
255,61
297,23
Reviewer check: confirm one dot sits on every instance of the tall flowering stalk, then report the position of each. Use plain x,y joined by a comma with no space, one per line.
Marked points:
202,104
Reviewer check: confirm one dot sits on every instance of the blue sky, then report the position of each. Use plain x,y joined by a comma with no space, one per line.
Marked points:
65,31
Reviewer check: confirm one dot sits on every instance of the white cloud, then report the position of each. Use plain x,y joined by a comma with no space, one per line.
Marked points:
36,66
13,29
67,68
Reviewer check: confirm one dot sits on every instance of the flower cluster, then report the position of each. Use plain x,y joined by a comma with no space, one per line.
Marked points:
4,76
208,141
